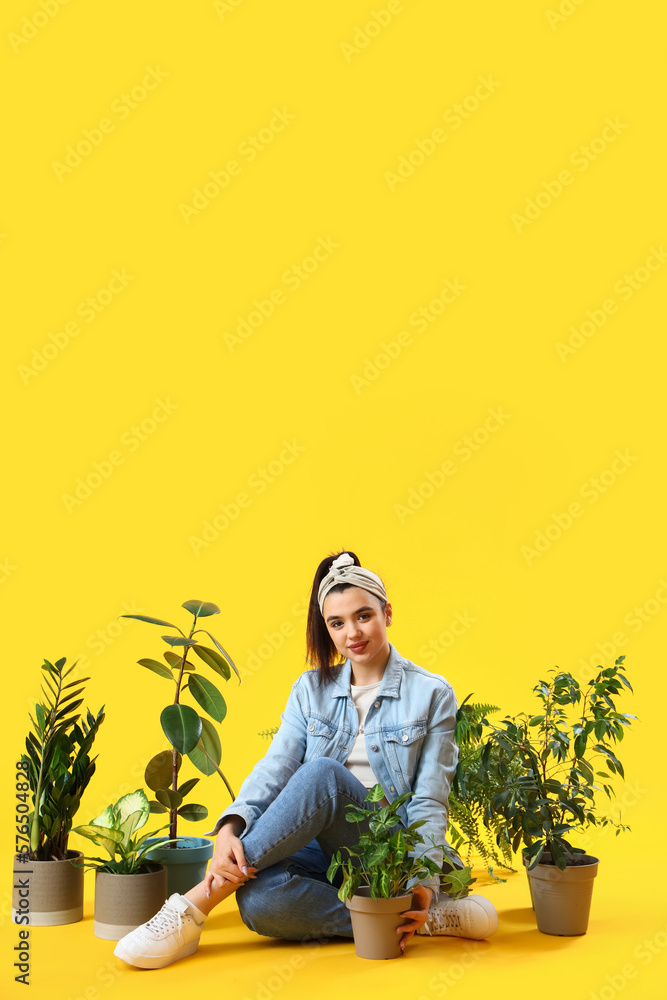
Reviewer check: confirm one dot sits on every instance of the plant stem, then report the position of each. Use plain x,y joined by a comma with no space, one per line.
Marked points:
173,815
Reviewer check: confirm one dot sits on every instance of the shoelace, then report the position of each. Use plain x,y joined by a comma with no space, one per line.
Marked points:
165,920
442,920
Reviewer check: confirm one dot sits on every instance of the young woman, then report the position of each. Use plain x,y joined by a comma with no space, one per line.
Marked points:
373,718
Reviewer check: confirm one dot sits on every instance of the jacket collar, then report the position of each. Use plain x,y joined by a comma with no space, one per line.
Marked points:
391,680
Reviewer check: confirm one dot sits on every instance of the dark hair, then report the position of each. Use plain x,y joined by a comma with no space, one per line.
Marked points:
320,649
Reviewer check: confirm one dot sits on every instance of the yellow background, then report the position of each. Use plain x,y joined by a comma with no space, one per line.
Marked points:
359,100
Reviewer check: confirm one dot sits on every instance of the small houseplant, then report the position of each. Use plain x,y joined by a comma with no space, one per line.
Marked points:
555,793
375,884
129,888
190,734
56,770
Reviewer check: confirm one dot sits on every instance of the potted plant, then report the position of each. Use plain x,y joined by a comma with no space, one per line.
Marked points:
470,795
556,791
55,770
129,888
188,733
374,885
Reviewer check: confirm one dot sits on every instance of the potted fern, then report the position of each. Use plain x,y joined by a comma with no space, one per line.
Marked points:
54,773
190,735
378,871
129,888
555,792
470,794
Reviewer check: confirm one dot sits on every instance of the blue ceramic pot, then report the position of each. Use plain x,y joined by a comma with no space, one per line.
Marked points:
186,864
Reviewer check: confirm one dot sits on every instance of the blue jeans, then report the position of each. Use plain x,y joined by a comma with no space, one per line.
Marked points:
291,845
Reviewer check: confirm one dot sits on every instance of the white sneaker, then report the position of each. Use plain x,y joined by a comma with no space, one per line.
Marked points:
171,934
471,917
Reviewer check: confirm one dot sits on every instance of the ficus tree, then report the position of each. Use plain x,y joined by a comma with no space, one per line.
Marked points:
545,769
186,730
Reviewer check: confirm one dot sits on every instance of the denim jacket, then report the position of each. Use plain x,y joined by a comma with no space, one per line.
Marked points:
409,736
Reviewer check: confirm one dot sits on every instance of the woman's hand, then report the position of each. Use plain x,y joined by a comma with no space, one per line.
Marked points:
418,917
228,863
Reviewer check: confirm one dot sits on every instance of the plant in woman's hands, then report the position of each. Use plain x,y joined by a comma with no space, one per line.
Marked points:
386,853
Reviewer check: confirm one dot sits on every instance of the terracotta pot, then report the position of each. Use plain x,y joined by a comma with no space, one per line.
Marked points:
186,863
562,899
49,892
122,902
374,923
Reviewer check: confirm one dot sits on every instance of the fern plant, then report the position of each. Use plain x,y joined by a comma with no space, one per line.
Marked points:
470,828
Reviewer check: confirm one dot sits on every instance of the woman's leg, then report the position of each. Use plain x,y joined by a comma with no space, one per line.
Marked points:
293,899
310,807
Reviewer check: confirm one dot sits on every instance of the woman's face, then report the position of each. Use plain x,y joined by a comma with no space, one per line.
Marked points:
357,625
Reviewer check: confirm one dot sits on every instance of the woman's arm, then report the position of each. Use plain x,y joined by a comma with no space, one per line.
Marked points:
269,776
433,778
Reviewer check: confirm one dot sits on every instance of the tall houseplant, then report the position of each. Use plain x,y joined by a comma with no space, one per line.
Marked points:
128,887
56,769
377,870
189,734
557,790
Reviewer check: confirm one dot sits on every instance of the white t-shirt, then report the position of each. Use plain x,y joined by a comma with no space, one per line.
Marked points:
357,762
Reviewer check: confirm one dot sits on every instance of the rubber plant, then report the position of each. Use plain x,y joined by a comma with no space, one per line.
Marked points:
187,732
57,763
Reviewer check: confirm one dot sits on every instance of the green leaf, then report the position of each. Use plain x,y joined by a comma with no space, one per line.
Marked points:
213,659
156,807
535,721
182,727
177,640
376,854
132,810
187,786
193,812
208,697
223,651
105,819
157,668
354,816
209,743
375,794
151,621
159,770
169,798
201,609
174,661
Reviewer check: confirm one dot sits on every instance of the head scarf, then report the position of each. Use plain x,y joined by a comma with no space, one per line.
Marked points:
343,570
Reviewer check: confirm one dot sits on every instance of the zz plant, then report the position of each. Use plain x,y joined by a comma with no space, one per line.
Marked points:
187,732
57,762
386,858
558,753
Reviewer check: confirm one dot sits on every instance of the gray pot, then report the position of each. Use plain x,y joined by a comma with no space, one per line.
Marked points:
374,923
49,893
122,902
186,864
562,899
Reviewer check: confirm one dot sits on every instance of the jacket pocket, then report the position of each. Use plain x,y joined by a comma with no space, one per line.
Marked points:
319,737
404,746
